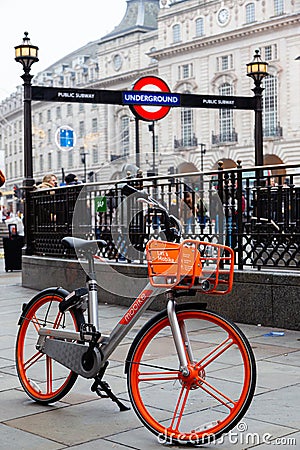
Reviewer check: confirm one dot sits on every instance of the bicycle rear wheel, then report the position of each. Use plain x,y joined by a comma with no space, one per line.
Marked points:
198,408
42,378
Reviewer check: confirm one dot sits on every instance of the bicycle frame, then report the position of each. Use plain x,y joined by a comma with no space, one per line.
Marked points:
134,312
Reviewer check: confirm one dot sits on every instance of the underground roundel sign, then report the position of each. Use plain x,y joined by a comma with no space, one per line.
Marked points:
150,98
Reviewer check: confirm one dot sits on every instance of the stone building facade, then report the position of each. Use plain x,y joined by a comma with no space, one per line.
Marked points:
196,46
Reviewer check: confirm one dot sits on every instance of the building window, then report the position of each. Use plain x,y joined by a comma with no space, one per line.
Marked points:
176,33
94,125
250,13
70,159
125,136
41,163
153,60
49,161
40,118
185,71
48,136
20,167
69,109
59,159
200,27
81,128
226,117
270,107
95,154
58,112
270,52
48,115
224,62
187,126
81,107
278,7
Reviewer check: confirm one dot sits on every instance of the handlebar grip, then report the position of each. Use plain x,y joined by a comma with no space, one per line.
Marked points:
129,190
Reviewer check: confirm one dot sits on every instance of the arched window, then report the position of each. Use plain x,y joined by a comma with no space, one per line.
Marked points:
250,13
125,149
270,107
200,26
227,133
176,33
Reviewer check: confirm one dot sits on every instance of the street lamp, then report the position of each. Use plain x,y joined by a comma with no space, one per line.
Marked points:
257,70
27,54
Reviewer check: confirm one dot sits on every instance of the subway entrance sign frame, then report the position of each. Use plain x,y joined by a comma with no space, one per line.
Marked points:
110,97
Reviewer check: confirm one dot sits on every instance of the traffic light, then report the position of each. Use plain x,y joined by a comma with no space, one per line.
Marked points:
171,171
17,192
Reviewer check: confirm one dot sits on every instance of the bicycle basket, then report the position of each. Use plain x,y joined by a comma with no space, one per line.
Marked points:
192,264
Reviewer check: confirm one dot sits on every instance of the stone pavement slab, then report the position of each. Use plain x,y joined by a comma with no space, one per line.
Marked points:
82,421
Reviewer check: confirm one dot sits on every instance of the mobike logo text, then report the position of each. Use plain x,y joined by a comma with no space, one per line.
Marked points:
134,308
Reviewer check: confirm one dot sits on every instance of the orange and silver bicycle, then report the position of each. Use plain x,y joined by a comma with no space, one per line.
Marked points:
190,372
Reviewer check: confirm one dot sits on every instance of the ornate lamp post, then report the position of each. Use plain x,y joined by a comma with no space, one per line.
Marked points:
27,54
257,70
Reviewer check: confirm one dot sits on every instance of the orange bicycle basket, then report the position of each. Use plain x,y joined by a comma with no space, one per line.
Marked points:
192,264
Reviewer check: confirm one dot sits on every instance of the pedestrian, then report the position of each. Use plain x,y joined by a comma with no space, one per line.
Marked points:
3,214
187,212
49,181
71,179
2,178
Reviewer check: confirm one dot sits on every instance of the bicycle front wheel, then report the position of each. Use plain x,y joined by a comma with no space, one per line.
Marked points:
42,378
211,400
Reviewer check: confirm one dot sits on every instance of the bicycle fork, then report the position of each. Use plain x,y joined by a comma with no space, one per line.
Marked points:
180,336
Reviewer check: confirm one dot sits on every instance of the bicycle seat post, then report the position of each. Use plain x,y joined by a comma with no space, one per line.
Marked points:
92,291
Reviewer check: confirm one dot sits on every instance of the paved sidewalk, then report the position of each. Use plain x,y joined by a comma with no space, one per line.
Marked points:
83,421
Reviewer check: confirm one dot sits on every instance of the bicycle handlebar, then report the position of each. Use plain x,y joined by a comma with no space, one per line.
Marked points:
172,224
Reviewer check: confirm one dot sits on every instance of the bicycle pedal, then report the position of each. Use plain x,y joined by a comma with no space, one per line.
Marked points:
76,299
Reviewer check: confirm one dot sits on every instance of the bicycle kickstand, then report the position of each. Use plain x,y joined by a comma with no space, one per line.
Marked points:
103,390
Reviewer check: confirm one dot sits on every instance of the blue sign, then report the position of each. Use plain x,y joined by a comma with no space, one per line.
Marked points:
65,138
151,98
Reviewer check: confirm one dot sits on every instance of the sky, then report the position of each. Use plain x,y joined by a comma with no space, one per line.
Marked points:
57,27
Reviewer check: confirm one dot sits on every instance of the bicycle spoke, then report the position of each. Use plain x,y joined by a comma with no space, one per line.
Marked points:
32,360
58,320
217,391
219,353
179,417
158,376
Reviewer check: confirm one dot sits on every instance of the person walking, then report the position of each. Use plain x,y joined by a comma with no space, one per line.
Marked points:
72,179
49,181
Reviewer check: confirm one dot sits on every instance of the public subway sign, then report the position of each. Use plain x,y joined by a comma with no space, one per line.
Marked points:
149,100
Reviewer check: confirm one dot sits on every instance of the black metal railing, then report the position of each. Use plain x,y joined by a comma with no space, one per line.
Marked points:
275,131
226,137
258,218
186,142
